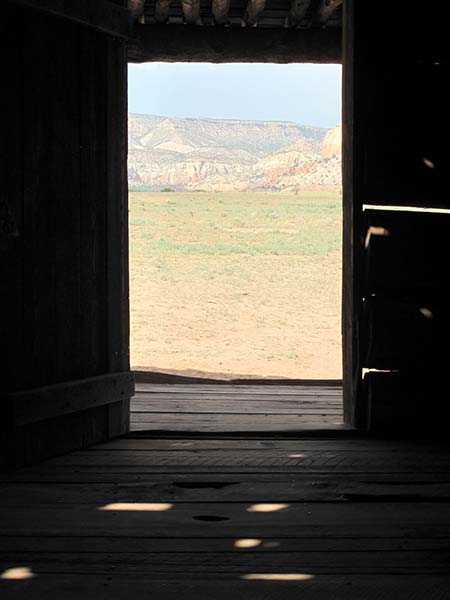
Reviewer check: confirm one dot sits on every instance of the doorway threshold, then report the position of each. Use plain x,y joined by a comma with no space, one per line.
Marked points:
236,409
187,376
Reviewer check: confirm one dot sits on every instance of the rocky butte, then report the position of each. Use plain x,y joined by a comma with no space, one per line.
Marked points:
230,155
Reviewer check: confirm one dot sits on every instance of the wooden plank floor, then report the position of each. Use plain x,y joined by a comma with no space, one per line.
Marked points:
222,514
236,408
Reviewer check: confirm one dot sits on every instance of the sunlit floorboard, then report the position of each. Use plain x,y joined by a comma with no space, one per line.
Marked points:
236,408
222,514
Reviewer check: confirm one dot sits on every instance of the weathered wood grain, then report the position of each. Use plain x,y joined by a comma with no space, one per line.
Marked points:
296,459
229,408
117,208
220,10
232,487
162,8
60,144
200,563
297,11
268,545
326,9
351,508
259,390
292,443
222,586
202,519
234,44
75,475
199,406
352,142
191,11
30,406
253,11
92,206
218,398
230,423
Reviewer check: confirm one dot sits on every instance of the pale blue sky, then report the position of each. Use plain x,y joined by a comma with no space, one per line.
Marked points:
307,94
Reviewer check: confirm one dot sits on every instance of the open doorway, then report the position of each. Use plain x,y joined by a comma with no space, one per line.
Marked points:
235,247
235,220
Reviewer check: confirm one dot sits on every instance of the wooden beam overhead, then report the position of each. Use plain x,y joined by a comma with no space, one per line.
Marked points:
220,9
136,8
229,44
253,11
191,11
162,8
297,11
100,15
326,10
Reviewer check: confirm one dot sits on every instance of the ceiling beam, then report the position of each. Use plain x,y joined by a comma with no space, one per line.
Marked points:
101,15
162,9
297,11
253,11
181,43
191,11
326,10
220,9
136,8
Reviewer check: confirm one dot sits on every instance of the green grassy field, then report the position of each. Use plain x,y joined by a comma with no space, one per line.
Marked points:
236,283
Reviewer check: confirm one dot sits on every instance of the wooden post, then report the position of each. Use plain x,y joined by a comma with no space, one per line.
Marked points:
352,214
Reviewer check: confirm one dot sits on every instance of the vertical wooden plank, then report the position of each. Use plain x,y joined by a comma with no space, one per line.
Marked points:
117,208
406,101
53,436
64,235
95,424
52,211
66,190
352,217
41,158
11,224
118,418
92,96
11,199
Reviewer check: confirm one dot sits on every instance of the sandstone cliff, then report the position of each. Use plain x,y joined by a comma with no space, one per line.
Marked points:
226,155
332,144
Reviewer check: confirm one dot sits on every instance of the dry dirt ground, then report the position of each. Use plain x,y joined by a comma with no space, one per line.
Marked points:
237,284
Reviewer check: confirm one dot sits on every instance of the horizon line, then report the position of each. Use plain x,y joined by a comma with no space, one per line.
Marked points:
225,119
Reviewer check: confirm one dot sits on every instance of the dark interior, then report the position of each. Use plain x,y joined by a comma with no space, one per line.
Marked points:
65,325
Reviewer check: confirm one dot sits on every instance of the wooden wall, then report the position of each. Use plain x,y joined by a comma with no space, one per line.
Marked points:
63,228
63,212
396,313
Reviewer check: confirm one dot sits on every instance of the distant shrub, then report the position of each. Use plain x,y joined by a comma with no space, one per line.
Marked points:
167,190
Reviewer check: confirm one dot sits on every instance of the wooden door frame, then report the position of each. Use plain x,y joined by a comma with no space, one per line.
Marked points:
354,404
354,407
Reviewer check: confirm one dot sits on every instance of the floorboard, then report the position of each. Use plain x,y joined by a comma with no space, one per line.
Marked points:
229,408
220,586
201,514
